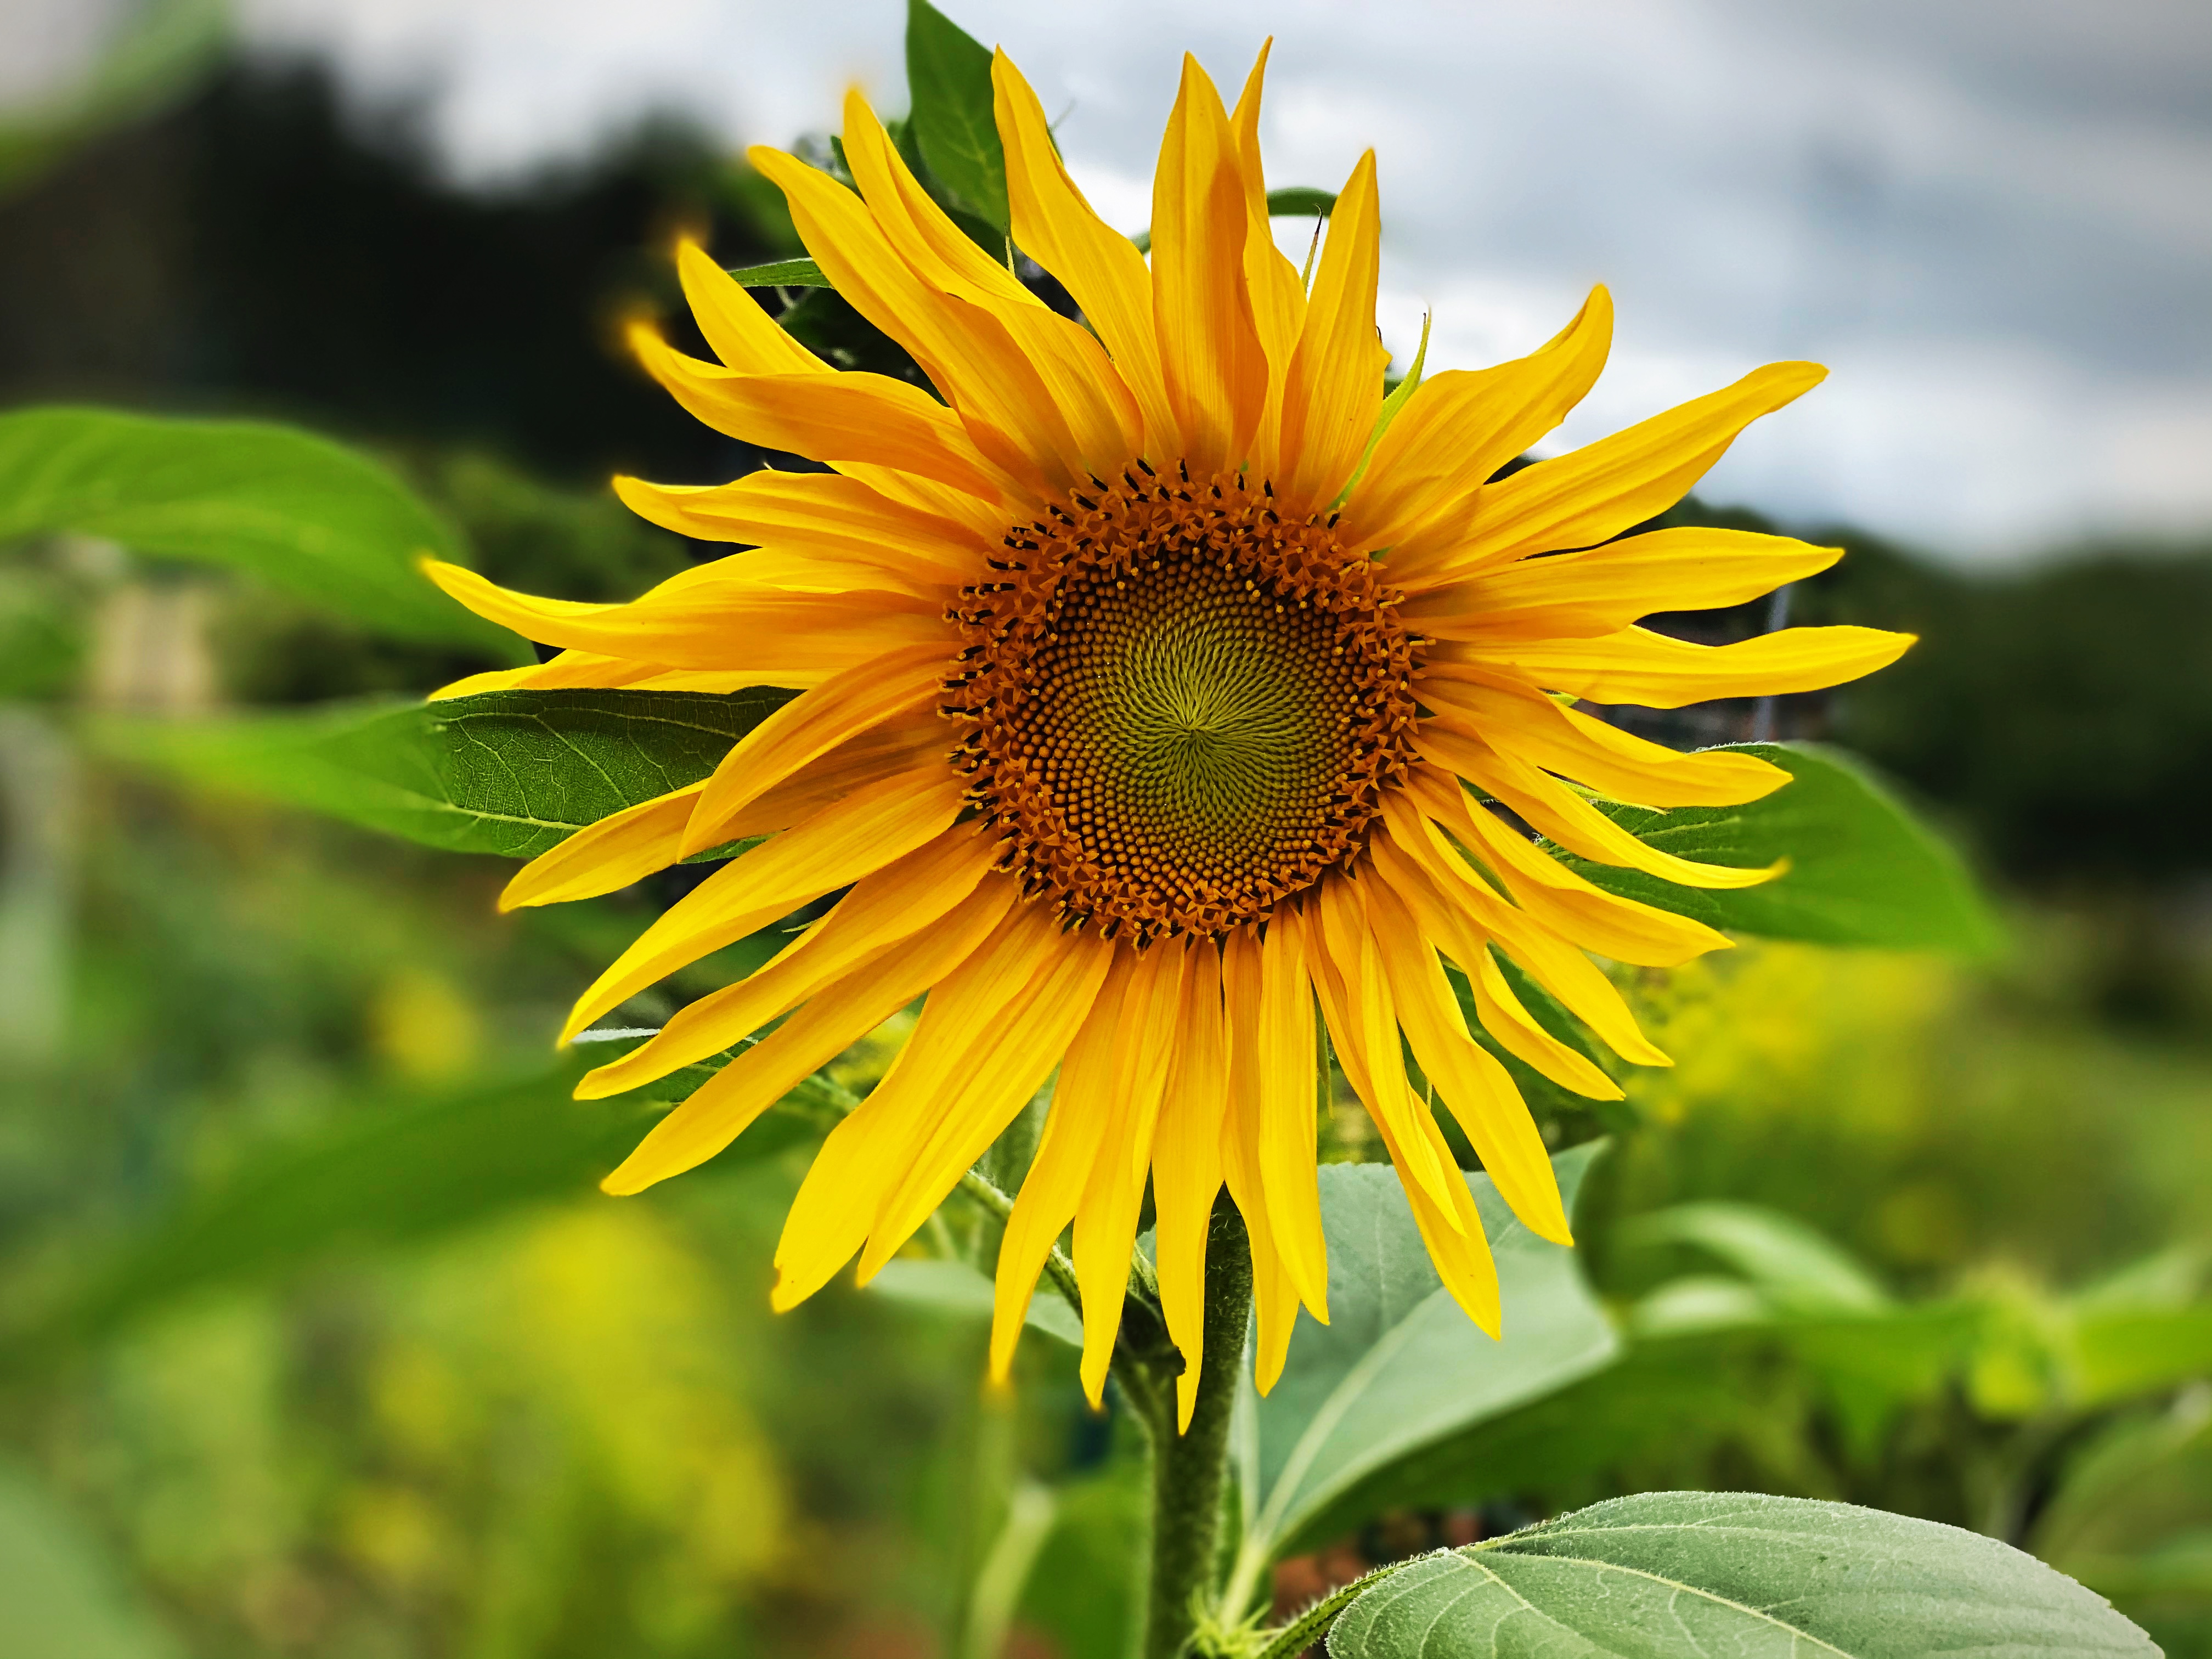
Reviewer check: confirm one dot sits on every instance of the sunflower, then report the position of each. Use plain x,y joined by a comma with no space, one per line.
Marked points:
1158,682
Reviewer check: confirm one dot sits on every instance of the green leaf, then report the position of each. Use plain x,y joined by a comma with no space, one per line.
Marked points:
506,772
783,273
299,512
1862,870
1868,1355
1301,202
1795,1267
1691,1575
386,1172
1673,1398
1401,1368
1085,1591
64,1597
948,73
2138,1486
1870,1366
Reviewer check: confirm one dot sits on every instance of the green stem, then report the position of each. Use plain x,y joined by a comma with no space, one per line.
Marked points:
1309,1626
1190,1469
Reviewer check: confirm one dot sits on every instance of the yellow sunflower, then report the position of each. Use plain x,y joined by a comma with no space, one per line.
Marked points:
1155,679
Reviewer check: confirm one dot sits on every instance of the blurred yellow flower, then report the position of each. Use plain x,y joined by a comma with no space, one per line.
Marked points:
423,1027
1142,678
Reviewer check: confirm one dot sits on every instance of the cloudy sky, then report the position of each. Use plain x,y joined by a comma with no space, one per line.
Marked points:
1992,218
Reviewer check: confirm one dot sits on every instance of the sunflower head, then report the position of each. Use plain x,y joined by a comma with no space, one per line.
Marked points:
1164,697
1180,705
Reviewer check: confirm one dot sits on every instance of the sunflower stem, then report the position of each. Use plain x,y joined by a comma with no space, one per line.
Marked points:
1190,1469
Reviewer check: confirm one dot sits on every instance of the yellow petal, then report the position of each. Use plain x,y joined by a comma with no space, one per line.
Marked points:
1604,589
1554,811
1334,389
996,1069
1450,1226
895,902
745,337
817,515
996,395
1599,490
1186,1171
850,416
711,624
840,844
1512,715
903,744
1290,1084
1422,873
1099,267
1475,1086
1554,963
812,724
1274,1294
1459,428
604,857
1453,1235
1277,290
831,1022
1209,351
1106,1219
1094,408
572,669
1275,1311
964,1065
1074,1130
1654,672
1555,895
1363,1024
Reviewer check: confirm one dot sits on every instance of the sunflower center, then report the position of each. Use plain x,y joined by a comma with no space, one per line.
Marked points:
1182,706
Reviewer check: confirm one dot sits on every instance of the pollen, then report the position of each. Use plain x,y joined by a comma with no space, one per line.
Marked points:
1181,705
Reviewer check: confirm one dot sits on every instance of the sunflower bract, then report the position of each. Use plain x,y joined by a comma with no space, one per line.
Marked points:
1141,690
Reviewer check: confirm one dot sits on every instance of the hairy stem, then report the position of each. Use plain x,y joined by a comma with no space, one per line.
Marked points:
1190,1469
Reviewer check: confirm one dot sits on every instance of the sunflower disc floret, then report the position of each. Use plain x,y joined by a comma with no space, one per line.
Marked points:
1180,705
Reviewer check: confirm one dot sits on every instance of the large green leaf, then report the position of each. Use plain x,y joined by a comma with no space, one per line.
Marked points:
386,1172
1862,870
1664,1405
1794,1266
506,772
299,512
1691,1575
948,74
1401,1368
64,1597
2139,1488
1866,1354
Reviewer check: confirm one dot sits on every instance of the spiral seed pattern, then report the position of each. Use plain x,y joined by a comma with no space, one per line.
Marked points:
1181,706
